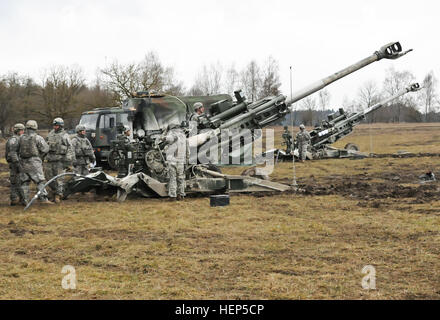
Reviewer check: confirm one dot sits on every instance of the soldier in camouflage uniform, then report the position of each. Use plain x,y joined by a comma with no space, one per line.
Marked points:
125,151
84,154
31,147
60,156
303,138
11,155
287,137
177,154
194,118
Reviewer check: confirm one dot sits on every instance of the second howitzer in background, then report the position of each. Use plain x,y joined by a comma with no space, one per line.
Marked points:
341,124
84,155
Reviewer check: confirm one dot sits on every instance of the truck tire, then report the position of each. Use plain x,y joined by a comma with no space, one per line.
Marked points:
113,159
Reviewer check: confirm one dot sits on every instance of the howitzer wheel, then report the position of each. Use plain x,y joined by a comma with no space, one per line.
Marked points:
113,159
351,146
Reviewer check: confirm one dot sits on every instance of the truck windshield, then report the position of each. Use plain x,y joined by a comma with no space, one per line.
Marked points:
89,121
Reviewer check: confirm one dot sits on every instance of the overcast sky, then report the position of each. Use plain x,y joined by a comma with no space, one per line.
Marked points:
315,37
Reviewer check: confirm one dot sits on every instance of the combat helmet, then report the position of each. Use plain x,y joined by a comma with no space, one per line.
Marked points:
197,105
18,127
301,126
58,122
80,128
32,124
286,127
126,128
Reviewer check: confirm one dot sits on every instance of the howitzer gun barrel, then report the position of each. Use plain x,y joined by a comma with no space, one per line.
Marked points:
412,88
343,125
391,50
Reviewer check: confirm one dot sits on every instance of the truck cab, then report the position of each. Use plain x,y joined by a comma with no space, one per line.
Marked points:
101,128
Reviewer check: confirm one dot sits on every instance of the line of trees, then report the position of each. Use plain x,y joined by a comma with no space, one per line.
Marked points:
63,91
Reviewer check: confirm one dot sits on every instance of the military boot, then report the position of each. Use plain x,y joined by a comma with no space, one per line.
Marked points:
15,202
46,201
179,198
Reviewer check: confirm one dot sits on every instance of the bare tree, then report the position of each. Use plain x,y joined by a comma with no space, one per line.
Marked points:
368,95
147,75
394,82
60,88
231,80
16,94
270,82
308,104
428,94
208,81
324,99
250,78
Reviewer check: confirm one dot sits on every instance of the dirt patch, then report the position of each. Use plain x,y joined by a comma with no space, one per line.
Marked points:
369,190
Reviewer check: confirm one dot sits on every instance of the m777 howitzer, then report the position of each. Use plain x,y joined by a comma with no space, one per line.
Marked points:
151,114
261,113
258,114
341,124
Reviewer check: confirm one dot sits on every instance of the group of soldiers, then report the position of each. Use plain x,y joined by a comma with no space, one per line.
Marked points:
33,158
303,139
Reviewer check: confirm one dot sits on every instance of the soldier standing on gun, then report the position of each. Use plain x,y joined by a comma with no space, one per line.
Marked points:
194,118
11,155
177,154
60,156
303,138
32,147
199,109
287,137
84,154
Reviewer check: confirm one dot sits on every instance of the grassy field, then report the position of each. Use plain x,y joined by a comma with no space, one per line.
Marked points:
307,245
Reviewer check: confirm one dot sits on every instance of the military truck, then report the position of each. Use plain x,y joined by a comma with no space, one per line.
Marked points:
102,123
101,128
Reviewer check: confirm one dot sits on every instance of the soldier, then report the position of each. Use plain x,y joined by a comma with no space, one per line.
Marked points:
195,118
127,134
125,152
303,138
199,109
177,154
84,154
12,157
32,147
287,137
60,156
